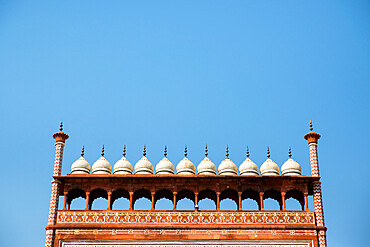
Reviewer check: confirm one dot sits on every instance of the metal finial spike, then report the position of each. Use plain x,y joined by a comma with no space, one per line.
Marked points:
227,151
186,151
61,125
165,151
102,151
124,150
206,151
83,151
247,152
311,128
144,152
268,152
290,152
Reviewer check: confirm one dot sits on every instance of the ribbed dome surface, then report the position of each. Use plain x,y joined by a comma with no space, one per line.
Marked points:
206,167
248,167
80,166
143,166
101,166
164,167
227,167
269,167
291,167
122,166
185,167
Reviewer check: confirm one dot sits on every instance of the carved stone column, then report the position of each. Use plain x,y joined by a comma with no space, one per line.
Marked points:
261,201
131,201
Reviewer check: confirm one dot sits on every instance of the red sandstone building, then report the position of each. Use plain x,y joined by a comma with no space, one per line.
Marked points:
116,228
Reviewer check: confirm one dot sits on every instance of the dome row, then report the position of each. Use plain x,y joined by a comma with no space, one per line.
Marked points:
185,166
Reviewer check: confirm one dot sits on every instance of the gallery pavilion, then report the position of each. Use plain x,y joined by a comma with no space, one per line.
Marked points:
109,227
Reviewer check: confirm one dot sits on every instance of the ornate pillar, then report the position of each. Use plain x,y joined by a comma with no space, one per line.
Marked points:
240,201
87,200
218,201
174,200
196,201
60,138
305,202
312,138
283,200
65,200
261,201
109,200
153,204
131,201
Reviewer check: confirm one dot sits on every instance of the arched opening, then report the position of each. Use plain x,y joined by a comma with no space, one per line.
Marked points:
61,203
272,200
294,200
98,199
250,204
207,200
229,200
250,200
185,200
76,199
120,200
310,201
163,200
142,200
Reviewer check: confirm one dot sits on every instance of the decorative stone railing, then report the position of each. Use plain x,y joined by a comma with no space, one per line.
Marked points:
186,218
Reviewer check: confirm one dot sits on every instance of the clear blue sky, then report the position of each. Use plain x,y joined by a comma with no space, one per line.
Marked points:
238,73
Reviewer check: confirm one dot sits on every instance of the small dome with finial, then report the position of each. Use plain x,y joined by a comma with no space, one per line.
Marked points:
290,167
185,166
143,166
101,166
81,166
248,167
123,166
164,166
206,166
269,167
227,166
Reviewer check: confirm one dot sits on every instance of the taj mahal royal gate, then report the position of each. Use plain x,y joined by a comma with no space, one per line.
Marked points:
212,228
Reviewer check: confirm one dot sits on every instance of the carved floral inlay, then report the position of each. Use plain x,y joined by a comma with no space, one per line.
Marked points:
188,218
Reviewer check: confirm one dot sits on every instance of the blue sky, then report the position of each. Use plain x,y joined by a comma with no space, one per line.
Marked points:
174,73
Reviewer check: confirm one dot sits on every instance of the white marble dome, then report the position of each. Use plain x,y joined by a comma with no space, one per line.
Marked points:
248,167
101,166
122,166
80,166
291,167
164,167
206,167
185,167
227,167
143,166
269,167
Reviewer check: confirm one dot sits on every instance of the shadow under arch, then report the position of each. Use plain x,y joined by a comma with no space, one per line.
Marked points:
182,196
294,194
229,194
253,195
273,194
163,194
141,193
117,194
95,194
207,194
74,194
